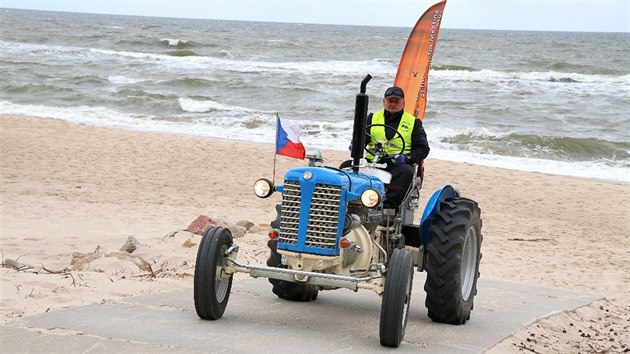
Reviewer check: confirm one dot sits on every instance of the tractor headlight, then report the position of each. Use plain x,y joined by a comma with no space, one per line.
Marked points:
370,198
263,188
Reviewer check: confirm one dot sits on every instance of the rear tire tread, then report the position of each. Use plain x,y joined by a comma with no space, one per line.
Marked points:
443,286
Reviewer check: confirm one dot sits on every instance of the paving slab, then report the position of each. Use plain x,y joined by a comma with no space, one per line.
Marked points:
257,321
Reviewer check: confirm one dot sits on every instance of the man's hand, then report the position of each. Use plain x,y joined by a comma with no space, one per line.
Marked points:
401,160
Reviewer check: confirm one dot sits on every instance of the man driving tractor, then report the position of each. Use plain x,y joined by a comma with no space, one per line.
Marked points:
404,128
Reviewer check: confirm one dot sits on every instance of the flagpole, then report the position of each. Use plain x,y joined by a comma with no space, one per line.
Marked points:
273,178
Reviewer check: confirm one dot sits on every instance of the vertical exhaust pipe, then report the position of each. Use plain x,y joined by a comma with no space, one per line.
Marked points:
360,122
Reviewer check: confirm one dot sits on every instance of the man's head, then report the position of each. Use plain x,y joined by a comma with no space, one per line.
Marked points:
394,99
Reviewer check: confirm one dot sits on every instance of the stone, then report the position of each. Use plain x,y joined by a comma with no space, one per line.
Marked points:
245,223
203,223
130,245
260,228
188,243
237,230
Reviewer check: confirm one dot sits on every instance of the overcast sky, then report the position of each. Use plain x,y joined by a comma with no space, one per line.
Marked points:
541,15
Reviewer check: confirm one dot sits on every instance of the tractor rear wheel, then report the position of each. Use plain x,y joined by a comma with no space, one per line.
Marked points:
454,253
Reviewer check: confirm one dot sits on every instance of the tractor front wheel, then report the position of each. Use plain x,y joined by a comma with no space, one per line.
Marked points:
396,298
211,287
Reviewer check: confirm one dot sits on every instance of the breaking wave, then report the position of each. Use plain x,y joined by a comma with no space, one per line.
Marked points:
182,53
178,43
538,146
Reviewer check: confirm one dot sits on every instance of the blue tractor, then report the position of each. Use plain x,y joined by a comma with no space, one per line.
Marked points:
332,232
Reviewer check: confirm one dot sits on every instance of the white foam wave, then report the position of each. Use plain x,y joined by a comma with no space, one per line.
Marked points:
82,114
196,106
226,53
332,67
438,133
564,168
353,68
224,128
548,76
122,80
174,42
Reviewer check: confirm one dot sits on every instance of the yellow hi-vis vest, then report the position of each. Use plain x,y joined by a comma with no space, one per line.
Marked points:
405,128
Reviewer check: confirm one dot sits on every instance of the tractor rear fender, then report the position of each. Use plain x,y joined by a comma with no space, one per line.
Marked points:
432,208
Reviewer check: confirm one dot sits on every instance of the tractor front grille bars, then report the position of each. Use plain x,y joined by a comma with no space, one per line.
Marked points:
323,219
323,215
290,216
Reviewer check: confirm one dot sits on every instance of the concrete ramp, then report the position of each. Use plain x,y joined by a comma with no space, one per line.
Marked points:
257,321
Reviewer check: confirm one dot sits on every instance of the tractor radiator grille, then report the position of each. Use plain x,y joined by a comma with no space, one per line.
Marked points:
290,216
323,217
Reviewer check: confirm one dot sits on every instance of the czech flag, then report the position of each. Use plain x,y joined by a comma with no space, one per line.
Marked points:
288,140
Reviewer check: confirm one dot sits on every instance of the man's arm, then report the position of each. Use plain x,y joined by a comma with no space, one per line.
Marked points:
419,144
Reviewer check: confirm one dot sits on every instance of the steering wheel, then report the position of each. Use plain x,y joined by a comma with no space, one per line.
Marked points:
380,145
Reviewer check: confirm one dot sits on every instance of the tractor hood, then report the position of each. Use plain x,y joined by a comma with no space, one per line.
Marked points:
352,184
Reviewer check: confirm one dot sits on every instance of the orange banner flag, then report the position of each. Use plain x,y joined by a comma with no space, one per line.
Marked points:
413,69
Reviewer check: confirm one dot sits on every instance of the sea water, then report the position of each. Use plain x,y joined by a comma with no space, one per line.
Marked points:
553,102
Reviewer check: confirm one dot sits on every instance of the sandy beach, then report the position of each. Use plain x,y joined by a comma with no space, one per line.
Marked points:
71,190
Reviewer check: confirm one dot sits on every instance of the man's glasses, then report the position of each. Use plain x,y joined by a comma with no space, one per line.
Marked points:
393,92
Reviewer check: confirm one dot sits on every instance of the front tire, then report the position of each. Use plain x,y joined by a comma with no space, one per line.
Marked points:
454,253
396,298
211,290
